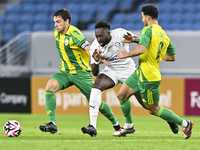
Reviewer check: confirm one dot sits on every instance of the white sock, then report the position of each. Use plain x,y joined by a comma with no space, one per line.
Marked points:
128,125
116,124
95,102
53,123
184,123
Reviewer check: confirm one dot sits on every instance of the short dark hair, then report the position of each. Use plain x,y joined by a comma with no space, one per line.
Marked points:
150,10
64,13
102,24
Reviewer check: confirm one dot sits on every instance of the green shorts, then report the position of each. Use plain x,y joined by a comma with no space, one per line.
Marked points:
150,91
82,80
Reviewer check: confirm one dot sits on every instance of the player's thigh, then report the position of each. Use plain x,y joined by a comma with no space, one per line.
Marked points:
129,87
122,75
133,82
124,92
150,92
63,79
112,74
83,80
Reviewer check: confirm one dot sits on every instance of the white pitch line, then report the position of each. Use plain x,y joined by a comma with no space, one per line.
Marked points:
169,140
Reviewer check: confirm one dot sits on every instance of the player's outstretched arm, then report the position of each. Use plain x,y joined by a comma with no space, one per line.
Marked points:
129,38
95,66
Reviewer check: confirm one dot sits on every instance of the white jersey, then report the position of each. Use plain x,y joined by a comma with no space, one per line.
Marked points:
111,50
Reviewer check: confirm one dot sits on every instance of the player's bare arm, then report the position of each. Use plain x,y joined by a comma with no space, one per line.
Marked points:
129,38
95,66
138,50
169,58
87,48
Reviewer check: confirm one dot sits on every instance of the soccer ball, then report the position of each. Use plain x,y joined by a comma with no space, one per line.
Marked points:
12,128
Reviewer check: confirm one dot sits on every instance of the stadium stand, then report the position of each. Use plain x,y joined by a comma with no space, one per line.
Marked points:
174,15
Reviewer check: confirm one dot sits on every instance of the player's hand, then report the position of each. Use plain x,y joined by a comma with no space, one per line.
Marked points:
105,62
121,54
97,54
129,38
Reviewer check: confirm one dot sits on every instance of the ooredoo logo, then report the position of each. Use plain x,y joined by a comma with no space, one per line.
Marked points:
194,99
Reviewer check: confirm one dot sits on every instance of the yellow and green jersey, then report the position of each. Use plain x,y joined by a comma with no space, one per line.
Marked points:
70,47
157,43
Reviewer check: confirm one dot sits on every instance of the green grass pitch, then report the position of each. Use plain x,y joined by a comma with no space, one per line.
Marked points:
152,133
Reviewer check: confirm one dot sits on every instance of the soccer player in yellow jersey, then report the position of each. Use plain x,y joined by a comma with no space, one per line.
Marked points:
73,50
154,46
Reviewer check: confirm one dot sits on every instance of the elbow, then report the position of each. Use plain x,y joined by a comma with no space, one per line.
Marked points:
173,58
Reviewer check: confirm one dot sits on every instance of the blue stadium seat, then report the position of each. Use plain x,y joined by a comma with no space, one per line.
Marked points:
176,8
12,18
28,8
164,18
189,8
26,18
128,26
41,17
87,12
103,12
74,19
1,18
88,7
176,17
86,16
115,25
42,8
138,26
56,7
195,26
91,26
125,5
1,22
118,18
39,27
163,8
12,9
186,26
50,25
102,15
7,37
72,7
23,27
173,26
132,18
189,17
7,31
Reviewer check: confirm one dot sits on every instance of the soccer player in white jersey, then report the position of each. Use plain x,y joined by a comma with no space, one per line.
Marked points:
106,47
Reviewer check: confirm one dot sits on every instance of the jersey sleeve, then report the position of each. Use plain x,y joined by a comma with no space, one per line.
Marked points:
79,39
171,50
146,36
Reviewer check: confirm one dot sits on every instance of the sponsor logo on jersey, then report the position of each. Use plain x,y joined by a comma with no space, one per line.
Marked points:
66,42
117,44
112,59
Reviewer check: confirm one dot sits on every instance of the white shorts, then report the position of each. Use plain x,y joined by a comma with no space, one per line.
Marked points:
119,76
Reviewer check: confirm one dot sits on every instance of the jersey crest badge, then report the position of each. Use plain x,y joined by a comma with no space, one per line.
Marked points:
117,44
66,42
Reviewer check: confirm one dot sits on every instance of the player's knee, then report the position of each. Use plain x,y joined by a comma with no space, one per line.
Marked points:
152,112
51,87
121,96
